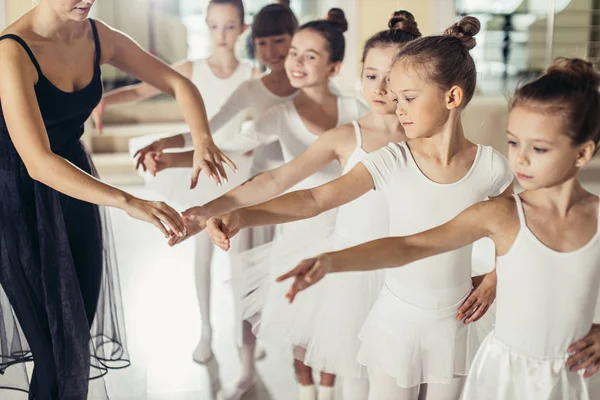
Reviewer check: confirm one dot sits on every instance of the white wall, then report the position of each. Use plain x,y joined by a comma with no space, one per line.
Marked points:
350,67
2,15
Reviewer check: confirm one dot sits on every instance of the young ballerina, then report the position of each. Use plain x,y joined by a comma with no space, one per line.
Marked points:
315,55
217,77
272,31
547,241
412,340
57,269
273,28
347,145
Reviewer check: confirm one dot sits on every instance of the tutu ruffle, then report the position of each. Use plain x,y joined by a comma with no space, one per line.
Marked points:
499,372
313,322
415,345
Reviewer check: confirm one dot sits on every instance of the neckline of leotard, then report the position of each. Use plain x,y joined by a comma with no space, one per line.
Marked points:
41,75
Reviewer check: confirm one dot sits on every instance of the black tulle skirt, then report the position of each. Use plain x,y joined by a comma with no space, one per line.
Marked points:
60,298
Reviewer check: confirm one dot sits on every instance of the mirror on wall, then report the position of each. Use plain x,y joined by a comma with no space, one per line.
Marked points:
519,38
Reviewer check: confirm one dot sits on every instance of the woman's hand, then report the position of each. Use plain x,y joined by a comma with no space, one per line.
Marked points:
480,300
157,213
307,273
585,354
208,158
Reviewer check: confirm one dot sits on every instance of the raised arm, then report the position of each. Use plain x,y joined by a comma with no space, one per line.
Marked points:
483,219
122,52
29,136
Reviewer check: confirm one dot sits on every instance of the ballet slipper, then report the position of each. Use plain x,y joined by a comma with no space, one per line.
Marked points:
307,392
326,393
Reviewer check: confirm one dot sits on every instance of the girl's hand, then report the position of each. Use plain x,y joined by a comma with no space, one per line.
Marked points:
157,213
307,273
156,162
222,228
585,354
155,147
208,158
195,222
97,116
480,300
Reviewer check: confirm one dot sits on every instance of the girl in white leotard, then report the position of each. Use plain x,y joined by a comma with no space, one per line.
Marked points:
412,340
547,240
315,56
309,327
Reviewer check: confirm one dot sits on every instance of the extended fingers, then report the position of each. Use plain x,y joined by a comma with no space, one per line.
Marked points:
157,223
315,274
580,345
587,359
592,371
220,168
230,163
579,357
170,217
217,236
302,267
468,305
478,313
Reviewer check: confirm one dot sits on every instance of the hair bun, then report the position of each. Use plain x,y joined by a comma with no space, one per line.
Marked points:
336,16
405,21
582,71
465,30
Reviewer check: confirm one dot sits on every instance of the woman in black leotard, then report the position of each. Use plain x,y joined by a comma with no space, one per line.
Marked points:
57,272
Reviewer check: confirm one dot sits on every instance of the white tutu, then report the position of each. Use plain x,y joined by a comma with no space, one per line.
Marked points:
415,345
323,322
499,372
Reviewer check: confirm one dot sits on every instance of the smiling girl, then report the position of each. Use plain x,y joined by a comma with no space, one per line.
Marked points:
412,340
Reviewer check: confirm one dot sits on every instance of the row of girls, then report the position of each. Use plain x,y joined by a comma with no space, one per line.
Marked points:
402,334
291,105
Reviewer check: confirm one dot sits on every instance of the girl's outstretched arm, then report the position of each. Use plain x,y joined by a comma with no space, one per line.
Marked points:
478,221
293,206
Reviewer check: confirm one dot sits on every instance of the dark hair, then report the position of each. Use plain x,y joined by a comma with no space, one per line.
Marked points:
568,88
273,20
445,59
236,3
332,29
402,28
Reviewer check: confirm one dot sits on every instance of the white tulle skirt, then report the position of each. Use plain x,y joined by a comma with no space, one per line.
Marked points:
412,345
499,372
415,345
322,324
